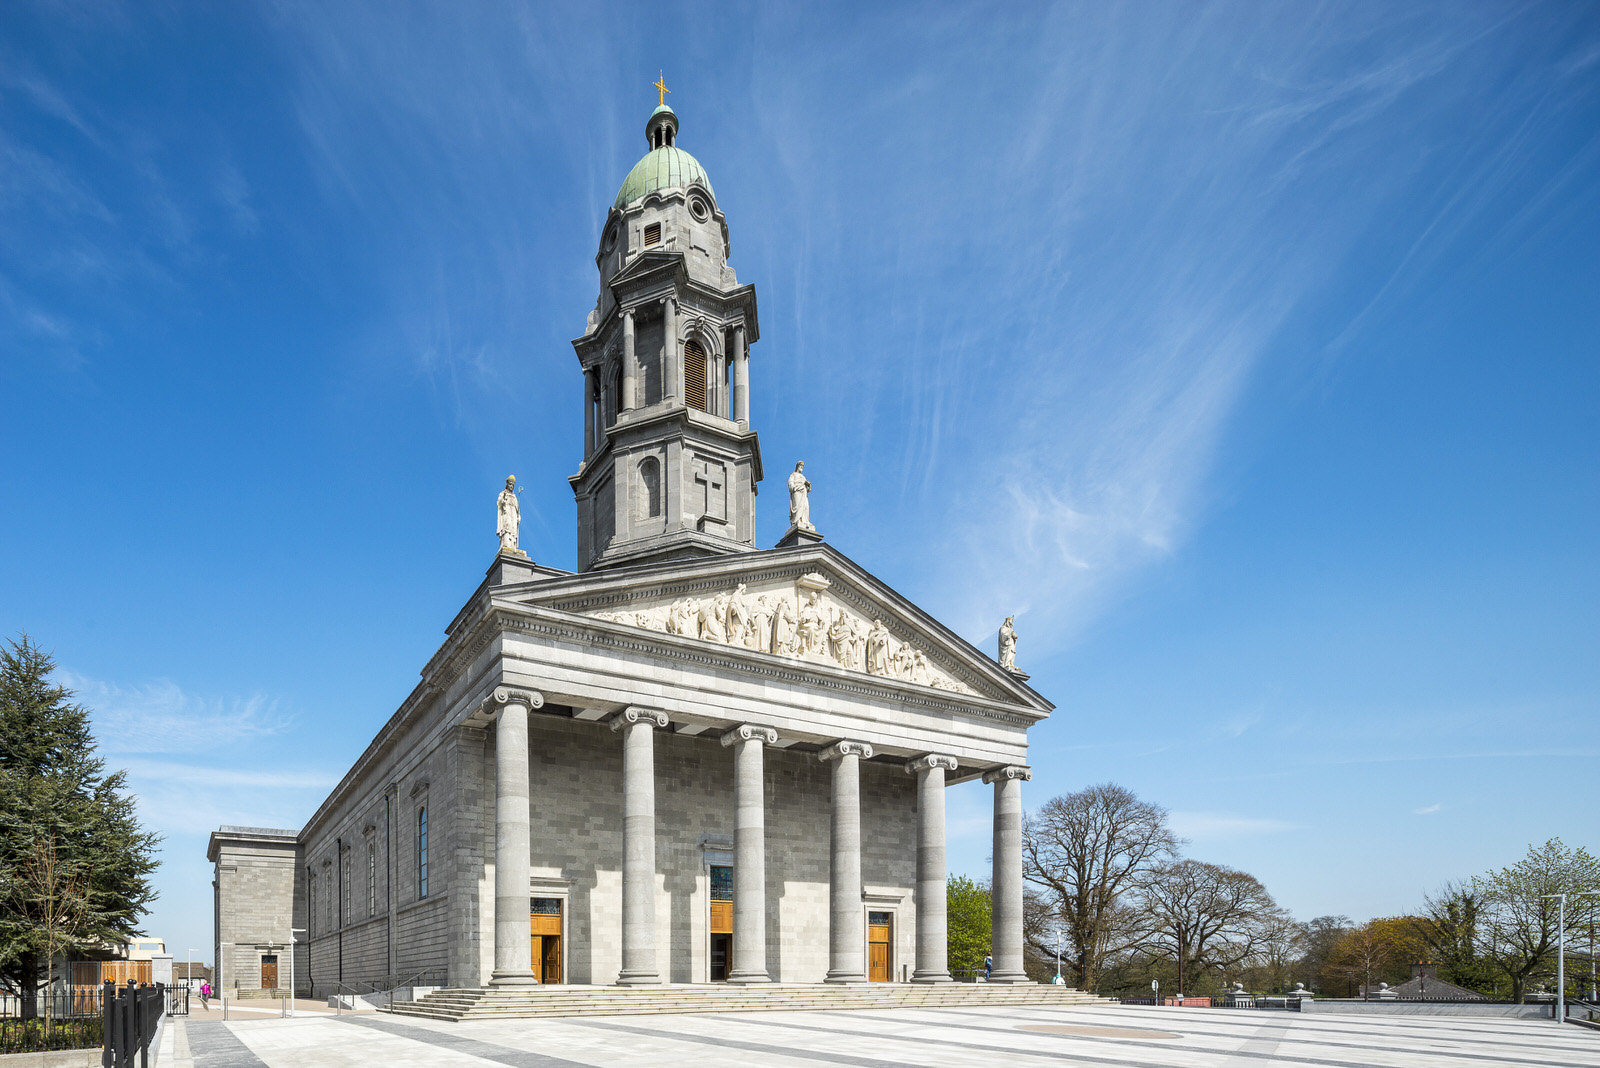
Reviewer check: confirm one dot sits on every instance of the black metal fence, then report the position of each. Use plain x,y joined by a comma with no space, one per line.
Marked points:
132,1017
51,1021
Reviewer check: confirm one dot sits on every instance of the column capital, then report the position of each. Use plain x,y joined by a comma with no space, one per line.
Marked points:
512,695
1010,771
929,761
846,748
750,732
629,716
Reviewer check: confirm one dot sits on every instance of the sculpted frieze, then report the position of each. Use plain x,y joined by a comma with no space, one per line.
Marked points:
803,622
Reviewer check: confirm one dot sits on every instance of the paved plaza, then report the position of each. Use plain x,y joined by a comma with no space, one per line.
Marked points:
904,1038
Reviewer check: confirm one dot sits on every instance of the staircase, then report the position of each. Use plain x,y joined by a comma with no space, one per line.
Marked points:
506,1003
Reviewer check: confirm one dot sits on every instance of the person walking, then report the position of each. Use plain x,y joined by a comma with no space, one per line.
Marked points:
988,967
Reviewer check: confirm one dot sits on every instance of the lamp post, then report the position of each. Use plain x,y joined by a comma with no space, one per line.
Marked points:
1058,955
188,976
292,932
1561,950
222,991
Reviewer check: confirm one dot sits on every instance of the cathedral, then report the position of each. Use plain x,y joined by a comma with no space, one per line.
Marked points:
693,760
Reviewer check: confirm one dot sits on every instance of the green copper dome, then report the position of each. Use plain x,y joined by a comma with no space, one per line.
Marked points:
665,166
662,168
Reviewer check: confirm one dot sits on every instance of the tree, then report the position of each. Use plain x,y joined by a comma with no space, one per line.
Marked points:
1517,923
1376,951
1449,927
1206,916
1085,850
1320,936
967,922
74,862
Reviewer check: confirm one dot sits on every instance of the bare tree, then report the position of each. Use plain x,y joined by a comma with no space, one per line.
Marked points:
1085,850
1204,916
59,902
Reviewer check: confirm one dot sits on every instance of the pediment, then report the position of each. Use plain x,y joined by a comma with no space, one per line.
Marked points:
806,606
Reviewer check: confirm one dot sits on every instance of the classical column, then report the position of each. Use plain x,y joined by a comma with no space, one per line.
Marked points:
671,362
847,933
932,944
630,365
749,853
1005,937
638,726
588,411
741,378
513,846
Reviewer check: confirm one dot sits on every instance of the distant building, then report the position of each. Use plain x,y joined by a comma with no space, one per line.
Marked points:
1424,985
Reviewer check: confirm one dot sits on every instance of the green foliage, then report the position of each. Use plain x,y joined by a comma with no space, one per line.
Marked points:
74,861
968,905
1518,929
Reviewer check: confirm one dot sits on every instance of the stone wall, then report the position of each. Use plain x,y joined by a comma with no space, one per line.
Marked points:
257,886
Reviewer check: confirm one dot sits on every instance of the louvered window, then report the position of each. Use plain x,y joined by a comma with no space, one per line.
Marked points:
694,375
652,234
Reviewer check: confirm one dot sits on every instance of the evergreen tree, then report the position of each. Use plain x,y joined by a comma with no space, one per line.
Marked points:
57,801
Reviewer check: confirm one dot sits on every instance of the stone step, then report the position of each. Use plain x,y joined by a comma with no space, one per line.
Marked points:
523,1002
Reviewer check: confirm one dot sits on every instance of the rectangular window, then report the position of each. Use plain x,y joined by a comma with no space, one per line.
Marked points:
372,879
422,852
545,906
652,234
721,884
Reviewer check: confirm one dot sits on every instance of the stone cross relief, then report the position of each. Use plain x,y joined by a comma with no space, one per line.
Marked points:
808,625
711,484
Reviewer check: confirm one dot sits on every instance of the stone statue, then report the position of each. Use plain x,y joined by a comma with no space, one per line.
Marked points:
878,649
759,637
800,499
1008,645
920,670
840,635
784,632
712,612
812,627
684,617
903,663
738,616
510,517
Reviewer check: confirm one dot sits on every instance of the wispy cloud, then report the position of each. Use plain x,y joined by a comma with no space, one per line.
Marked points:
1427,810
161,717
1212,826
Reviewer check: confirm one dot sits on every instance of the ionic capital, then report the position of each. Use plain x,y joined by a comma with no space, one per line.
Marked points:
749,732
511,695
846,748
650,717
930,761
1010,771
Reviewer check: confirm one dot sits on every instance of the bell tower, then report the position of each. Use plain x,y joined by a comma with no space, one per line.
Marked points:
670,464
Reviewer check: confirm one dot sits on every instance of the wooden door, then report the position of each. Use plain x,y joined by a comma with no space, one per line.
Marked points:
550,969
544,943
269,971
879,927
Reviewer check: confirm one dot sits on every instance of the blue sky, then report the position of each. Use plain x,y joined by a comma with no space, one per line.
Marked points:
1246,352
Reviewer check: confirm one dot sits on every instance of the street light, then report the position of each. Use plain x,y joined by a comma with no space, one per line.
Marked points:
292,932
1561,951
188,976
222,991
1058,956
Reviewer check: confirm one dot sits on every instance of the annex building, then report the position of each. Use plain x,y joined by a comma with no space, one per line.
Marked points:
691,761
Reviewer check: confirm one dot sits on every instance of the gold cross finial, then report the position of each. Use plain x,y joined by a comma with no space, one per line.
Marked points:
661,83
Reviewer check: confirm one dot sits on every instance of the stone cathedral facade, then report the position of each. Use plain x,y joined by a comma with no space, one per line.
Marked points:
690,761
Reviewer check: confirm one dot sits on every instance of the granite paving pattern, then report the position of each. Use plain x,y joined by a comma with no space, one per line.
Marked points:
1110,1035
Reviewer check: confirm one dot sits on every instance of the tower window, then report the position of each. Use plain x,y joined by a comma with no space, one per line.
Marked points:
694,375
652,234
650,481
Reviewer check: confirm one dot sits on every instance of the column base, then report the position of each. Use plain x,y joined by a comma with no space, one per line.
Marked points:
931,977
639,979
845,977
513,978
749,978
